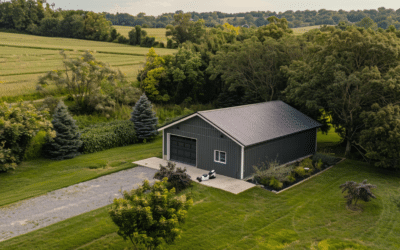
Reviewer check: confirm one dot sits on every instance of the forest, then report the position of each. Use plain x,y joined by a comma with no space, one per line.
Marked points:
382,17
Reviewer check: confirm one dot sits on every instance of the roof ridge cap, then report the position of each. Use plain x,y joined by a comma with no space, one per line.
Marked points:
203,111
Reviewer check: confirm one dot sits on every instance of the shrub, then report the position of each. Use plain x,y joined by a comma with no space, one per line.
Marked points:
177,179
357,191
267,170
83,121
18,124
300,171
263,181
318,164
291,177
50,103
34,150
7,160
150,220
307,163
275,184
327,160
107,135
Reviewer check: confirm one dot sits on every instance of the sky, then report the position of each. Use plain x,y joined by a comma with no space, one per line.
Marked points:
157,7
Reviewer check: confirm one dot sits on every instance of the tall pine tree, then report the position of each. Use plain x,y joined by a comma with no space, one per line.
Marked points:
66,143
144,119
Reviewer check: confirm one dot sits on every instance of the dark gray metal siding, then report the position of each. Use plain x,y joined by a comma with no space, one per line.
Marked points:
285,149
208,140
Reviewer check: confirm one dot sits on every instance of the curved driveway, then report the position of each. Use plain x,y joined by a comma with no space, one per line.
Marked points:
34,213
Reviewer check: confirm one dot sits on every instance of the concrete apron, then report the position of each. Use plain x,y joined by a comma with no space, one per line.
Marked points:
225,183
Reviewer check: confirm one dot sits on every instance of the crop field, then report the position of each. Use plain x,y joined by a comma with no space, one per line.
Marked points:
158,33
24,58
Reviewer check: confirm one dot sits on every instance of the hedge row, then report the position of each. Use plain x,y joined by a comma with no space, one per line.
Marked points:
107,135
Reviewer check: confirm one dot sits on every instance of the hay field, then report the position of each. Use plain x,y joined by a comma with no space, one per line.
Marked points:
158,33
24,58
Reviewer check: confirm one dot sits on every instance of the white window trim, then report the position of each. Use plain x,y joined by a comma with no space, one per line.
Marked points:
220,161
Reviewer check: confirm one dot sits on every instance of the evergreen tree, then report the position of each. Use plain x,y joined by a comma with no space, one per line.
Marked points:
144,119
66,143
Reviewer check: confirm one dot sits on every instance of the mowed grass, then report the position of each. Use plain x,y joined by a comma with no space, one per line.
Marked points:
158,33
24,58
38,177
312,215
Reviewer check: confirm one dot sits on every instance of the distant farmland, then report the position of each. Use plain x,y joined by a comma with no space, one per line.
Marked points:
23,58
158,33
301,30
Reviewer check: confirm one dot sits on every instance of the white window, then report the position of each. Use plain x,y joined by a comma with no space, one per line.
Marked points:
219,156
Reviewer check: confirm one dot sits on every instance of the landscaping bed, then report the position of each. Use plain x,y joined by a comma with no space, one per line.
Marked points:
276,178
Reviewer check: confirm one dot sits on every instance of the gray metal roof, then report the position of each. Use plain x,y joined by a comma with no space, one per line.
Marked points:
255,123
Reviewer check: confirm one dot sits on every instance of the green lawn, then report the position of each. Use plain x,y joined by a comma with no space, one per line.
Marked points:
41,176
310,215
331,137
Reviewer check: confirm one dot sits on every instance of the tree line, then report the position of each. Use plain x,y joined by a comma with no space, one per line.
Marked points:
350,74
382,17
39,18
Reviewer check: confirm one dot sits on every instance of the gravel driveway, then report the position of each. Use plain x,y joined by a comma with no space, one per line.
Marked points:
31,214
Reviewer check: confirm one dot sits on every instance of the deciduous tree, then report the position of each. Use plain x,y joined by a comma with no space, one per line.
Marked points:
344,73
82,78
185,30
380,137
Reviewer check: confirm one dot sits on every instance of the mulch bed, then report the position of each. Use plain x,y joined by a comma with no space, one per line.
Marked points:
298,179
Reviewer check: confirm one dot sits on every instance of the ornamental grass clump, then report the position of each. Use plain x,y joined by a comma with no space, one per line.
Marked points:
272,174
327,160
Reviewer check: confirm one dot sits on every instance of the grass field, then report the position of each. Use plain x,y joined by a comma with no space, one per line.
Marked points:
41,176
312,215
158,33
301,30
24,58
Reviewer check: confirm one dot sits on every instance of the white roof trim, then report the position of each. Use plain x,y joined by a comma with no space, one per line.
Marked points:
206,120
178,121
